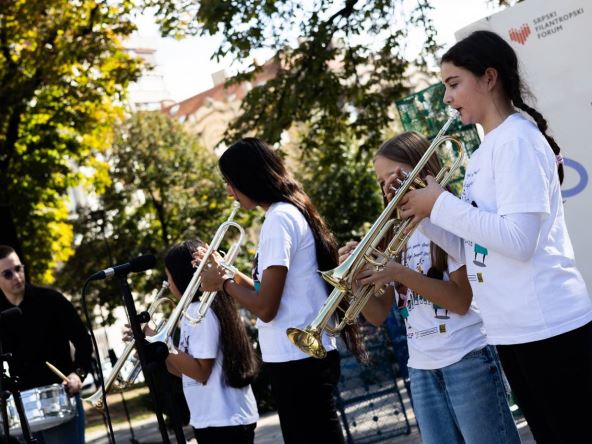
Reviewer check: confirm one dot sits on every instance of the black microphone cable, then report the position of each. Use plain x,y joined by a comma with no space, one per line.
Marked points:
99,366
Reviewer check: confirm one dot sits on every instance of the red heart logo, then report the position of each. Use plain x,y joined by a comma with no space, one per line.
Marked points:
520,35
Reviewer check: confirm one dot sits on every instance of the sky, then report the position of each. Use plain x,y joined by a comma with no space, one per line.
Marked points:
187,68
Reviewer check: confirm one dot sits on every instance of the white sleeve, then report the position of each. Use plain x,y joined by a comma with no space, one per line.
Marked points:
204,338
514,235
450,243
521,177
276,241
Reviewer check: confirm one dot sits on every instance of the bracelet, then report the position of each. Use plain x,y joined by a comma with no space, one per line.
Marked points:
224,285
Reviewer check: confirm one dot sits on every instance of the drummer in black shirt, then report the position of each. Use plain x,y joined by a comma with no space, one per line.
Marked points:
44,331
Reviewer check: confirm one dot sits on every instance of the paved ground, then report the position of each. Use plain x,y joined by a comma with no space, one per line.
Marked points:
267,432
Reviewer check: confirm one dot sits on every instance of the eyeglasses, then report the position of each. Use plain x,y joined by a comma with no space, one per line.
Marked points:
9,274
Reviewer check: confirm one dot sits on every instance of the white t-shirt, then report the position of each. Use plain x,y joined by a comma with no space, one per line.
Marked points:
287,240
514,171
436,337
214,404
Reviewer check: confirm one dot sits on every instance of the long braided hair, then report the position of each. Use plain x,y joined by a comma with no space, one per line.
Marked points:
485,49
240,363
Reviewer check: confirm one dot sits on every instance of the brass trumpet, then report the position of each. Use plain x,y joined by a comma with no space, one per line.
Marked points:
117,378
165,333
366,252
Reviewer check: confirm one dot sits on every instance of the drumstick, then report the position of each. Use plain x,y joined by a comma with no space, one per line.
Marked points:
58,373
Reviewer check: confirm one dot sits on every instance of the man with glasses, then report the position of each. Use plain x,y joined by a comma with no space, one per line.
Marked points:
43,332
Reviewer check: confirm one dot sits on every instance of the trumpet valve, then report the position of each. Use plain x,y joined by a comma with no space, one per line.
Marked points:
329,277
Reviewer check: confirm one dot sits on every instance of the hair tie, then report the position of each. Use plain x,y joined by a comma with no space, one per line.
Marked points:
559,159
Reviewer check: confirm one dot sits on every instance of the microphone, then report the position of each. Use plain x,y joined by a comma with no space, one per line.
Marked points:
140,263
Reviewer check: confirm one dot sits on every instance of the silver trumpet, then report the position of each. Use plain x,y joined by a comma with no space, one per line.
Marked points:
165,333
120,378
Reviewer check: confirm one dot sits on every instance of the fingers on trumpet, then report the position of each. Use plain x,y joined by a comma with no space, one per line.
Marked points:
214,259
212,278
198,256
346,250
394,182
128,336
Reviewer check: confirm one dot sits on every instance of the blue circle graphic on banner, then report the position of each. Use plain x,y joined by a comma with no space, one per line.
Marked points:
583,178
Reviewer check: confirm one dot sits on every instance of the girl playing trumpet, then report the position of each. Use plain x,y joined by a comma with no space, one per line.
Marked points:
285,290
215,360
534,302
456,383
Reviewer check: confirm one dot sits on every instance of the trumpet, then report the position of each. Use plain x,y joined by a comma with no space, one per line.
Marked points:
117,378
165,333
367,252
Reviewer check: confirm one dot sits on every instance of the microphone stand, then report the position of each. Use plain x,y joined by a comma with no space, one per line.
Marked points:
152,358
112,356
8,386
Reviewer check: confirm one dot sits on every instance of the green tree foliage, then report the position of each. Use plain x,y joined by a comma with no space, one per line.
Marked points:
62,73
164,188
346,65
340,180
339,78
341,65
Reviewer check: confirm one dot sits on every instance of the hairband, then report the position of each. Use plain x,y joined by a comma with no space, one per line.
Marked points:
559,159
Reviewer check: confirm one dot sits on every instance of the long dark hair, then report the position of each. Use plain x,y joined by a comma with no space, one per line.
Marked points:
254,169
241,364
409,148
485,49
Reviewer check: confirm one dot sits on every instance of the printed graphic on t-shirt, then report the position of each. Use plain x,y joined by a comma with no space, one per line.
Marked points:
475,277
255,273
470,177
442,313
479,249
184,347
402,301
412,298
418,334
419,254
184,342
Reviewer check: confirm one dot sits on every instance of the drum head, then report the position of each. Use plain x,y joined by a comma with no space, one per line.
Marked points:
45,407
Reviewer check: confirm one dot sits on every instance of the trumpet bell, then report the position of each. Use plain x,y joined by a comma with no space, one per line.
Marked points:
308,341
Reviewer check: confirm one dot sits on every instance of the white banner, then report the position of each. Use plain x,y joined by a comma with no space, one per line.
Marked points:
553,40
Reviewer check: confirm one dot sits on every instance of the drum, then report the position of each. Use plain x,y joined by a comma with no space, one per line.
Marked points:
45,407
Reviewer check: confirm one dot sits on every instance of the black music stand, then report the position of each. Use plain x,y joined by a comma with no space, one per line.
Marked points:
152,360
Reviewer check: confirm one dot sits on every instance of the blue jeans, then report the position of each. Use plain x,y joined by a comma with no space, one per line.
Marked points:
464,402
71,432
395,327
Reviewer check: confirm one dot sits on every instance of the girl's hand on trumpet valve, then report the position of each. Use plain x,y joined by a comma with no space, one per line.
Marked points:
418,204
128,336
212,277
393,182
200,253
392,271
346,250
